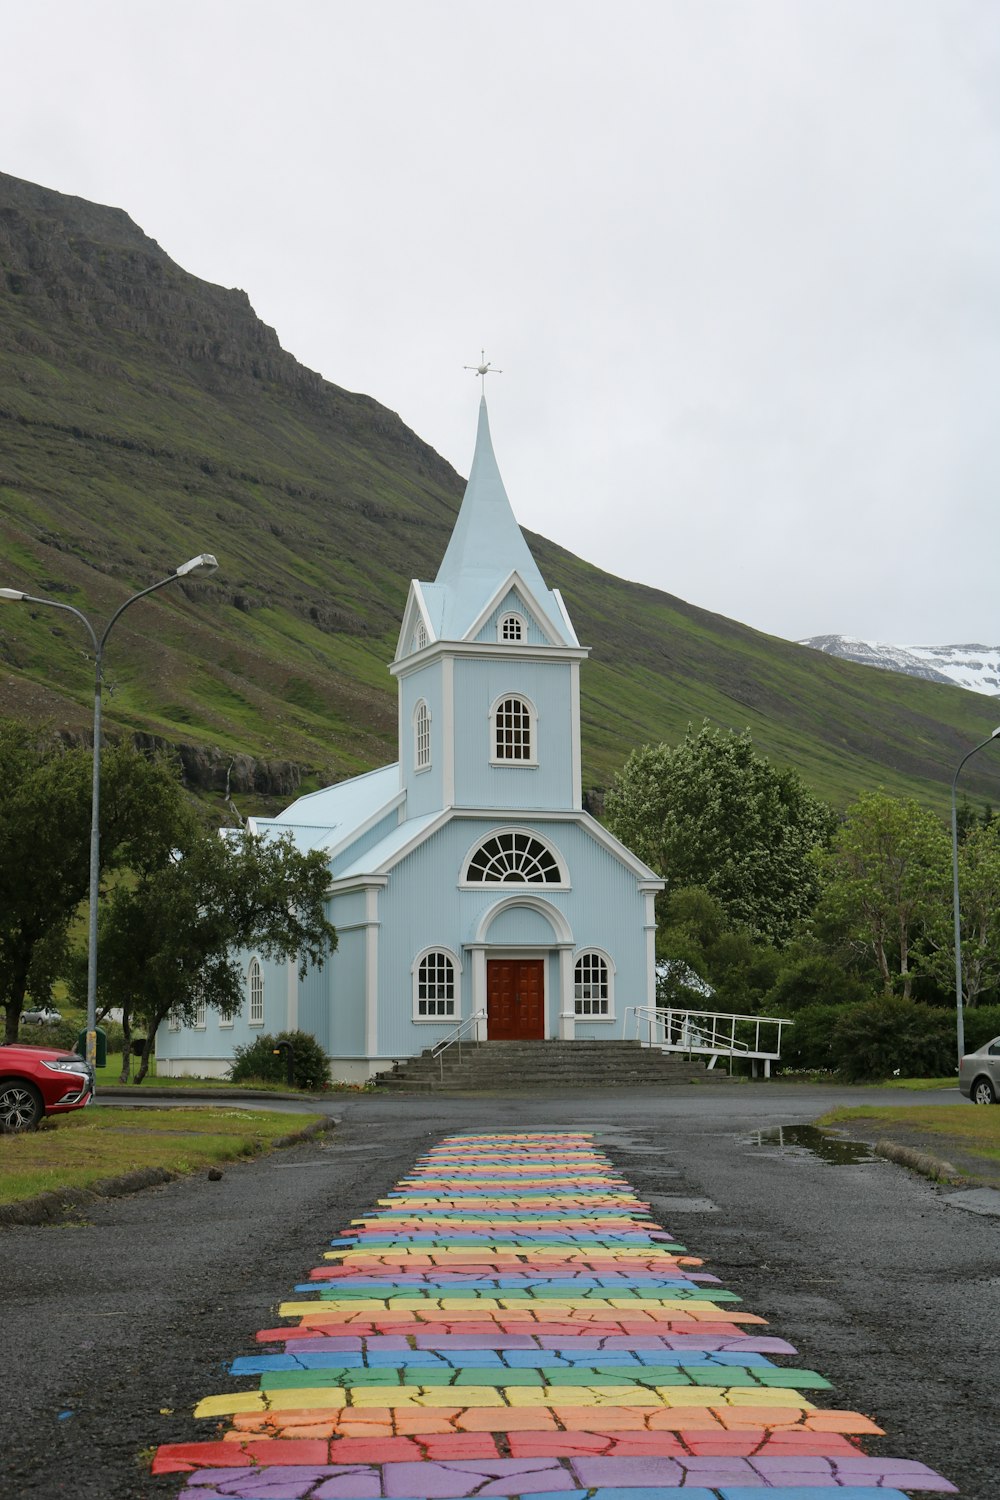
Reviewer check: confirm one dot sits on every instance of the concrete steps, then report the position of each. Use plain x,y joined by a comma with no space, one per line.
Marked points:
498,1066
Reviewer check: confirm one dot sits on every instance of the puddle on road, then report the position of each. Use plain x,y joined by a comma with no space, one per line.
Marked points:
807,1140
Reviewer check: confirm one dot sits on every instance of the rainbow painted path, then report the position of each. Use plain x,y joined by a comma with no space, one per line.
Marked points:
511,1322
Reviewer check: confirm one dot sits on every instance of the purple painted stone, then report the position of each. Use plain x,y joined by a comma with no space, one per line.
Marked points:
600,1473
283,1482
449,1481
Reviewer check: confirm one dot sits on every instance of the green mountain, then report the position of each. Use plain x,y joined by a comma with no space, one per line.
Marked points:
146,416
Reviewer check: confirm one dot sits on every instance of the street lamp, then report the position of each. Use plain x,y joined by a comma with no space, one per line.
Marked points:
960,1019
203,563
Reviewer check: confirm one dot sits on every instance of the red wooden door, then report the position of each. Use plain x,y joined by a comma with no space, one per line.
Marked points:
515,999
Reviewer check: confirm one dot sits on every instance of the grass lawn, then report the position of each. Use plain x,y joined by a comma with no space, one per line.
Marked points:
975,1130
77,1150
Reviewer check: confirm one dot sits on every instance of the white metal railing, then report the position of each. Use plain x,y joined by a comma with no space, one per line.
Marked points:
708,1033
455,1036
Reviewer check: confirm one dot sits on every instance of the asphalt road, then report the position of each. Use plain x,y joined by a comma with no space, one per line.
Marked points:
115,1325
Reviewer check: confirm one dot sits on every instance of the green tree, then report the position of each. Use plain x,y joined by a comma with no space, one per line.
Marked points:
170,940
45,794
979,904
885,884
710,812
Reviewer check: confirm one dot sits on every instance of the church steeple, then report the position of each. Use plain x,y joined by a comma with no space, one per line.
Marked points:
486,551
487,544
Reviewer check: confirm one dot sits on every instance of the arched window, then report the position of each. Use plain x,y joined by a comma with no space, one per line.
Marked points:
511,628
255,992
420,636
513,858
592,986
434,986
513,731
421,736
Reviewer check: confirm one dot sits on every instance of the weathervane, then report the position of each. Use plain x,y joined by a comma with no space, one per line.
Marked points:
483,369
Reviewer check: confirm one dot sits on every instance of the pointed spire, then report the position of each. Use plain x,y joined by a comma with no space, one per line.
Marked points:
486,544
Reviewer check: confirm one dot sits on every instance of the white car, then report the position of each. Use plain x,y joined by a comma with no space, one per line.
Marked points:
45,1016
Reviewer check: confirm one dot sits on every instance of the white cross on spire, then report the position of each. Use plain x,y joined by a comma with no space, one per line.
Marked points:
483,369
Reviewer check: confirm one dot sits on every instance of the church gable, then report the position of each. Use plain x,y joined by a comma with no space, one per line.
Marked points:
418,629
514,621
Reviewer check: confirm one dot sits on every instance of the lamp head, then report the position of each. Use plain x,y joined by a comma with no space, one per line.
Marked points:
995,732
203,563
16,594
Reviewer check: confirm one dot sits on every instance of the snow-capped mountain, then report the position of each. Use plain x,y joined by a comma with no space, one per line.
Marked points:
974,667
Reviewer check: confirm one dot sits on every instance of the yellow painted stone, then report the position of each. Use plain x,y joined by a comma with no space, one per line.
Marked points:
305,1398
391,1397
225,1406
752,1396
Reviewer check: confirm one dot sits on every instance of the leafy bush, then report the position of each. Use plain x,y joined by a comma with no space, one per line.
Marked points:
808,1045
814,979
893,1035
257,1060
61,1035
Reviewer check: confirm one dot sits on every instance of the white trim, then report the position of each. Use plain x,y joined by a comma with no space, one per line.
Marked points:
567,1013
291,995
415,613
562,932
576,748
522,625
448,730
534,817
650,930
486,650
398,799
609,964
371,969
200,1017
529,886
506,763
514,583
420,766
571,635
253,964
455,1013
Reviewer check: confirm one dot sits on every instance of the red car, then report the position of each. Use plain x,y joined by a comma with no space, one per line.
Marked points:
37,1081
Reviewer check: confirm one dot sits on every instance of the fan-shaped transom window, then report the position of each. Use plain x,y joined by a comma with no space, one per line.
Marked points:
422,736
255,991
434,997
511,628
513,858
592,985
512,726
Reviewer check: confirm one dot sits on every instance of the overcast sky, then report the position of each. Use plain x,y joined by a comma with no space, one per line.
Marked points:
739,260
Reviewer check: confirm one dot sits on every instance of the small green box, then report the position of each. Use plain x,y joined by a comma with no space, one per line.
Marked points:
102,1046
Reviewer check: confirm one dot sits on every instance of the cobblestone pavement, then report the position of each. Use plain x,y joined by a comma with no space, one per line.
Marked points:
510,1321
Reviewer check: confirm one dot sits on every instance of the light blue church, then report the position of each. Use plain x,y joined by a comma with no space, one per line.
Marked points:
467,884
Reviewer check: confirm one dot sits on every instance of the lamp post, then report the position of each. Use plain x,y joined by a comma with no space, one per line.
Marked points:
203,563
960,1018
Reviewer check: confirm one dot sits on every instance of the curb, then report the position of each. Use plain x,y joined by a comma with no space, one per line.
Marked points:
58,1204
144,1091
918,1161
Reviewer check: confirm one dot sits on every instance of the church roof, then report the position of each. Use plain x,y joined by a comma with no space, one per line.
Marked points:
486,548
324,819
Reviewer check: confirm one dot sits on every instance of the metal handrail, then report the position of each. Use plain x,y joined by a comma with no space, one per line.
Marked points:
706,1031
455,1035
